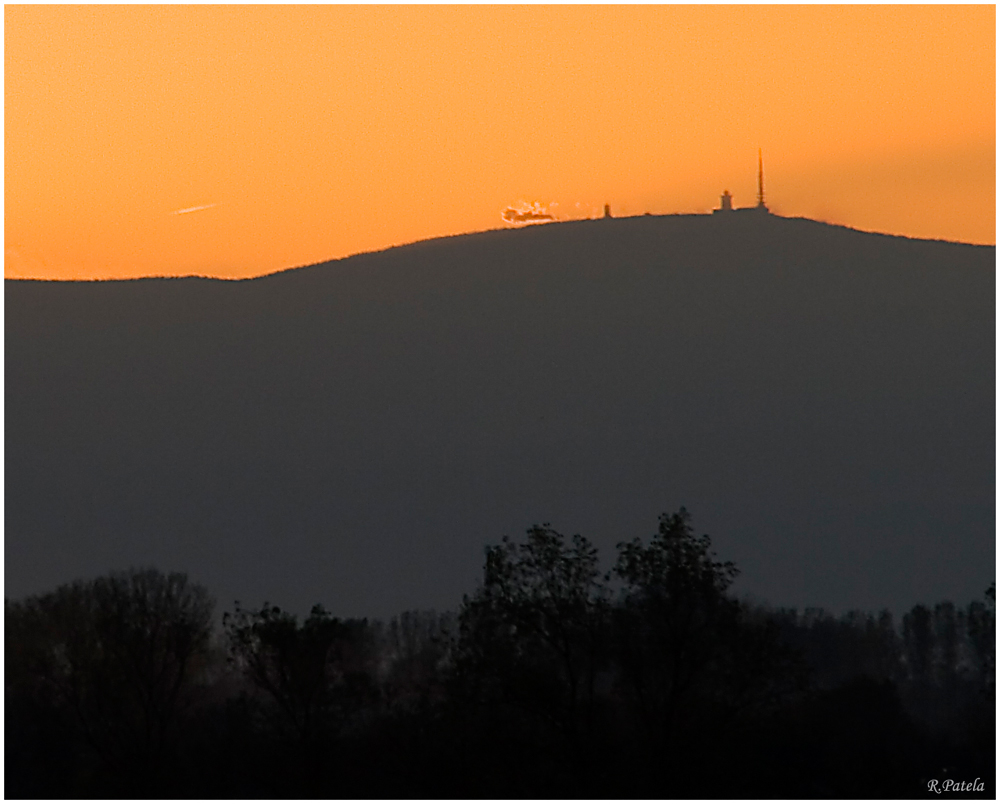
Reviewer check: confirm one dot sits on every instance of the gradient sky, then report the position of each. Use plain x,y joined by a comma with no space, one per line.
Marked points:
234,141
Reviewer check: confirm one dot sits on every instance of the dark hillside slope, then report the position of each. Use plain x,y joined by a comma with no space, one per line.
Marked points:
821,399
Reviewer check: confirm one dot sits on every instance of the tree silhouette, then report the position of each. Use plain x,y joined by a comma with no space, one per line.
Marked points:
532,634
918,644
982,627
414,648
313,672
119,653
691,657
560,682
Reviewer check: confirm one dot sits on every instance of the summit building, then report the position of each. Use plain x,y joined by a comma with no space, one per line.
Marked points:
726,203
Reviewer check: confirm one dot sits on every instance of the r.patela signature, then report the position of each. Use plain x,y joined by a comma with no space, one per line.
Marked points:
952,786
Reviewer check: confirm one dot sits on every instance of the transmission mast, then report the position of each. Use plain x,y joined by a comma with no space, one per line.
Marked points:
760,179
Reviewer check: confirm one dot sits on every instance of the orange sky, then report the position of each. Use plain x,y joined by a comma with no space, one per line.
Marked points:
313,132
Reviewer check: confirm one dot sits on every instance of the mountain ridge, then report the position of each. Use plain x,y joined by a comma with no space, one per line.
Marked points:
353,432
438,239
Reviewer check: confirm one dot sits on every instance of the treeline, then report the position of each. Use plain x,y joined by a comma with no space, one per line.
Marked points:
553,680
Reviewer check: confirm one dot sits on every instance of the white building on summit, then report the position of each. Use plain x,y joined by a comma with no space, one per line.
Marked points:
726,203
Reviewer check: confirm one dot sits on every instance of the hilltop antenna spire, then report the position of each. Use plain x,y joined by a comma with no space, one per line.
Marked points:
760,179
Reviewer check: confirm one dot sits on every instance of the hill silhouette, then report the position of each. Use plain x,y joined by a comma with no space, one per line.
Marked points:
821,399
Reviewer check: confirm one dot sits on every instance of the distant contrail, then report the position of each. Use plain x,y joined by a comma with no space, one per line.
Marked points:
192,209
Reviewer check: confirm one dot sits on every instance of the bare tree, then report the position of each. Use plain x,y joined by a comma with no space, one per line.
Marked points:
532,635
318,673
121,653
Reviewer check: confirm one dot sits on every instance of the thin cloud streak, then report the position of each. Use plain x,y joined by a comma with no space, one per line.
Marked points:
192,209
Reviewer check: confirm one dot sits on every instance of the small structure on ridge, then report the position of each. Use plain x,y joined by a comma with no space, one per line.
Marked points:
726,203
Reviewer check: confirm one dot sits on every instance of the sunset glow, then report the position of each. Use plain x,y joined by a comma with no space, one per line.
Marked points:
234,141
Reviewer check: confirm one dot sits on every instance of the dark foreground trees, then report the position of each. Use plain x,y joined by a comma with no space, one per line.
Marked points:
646,665
534,633
691,657
112,667
317,674
557,678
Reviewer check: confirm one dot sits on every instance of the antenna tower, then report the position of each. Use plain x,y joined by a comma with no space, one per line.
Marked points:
760,178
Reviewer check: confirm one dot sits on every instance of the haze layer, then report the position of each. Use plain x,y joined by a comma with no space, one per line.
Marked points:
354,432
